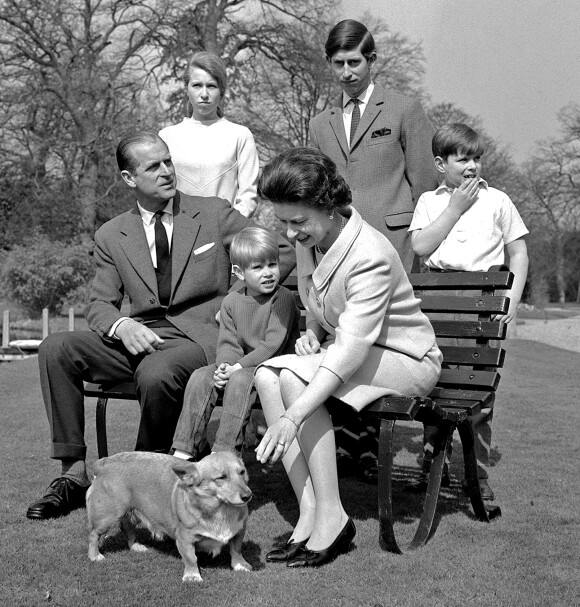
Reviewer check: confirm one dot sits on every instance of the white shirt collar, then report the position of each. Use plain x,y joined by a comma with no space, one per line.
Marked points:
147,216
443,186
364,98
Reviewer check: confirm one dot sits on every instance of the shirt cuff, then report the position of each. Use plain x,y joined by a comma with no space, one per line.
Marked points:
112,330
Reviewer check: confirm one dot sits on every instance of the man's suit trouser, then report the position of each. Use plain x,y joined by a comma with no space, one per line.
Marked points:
67,359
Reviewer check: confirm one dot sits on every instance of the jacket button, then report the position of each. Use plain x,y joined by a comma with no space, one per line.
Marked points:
152,300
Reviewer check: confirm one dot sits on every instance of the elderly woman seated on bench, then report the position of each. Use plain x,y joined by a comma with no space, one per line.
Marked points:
366,337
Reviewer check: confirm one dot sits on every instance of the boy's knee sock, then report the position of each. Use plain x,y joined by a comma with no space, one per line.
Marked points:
76,470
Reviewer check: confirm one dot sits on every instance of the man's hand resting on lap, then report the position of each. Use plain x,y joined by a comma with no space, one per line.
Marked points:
137,338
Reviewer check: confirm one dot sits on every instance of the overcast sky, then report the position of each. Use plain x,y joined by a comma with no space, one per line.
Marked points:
514,63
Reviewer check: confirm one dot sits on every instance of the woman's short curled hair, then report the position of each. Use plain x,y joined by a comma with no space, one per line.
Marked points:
253,244
305,176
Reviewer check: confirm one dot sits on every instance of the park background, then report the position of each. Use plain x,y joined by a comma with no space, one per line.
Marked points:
77,74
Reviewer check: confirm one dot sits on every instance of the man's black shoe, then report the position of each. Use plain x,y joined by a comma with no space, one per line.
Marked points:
63,496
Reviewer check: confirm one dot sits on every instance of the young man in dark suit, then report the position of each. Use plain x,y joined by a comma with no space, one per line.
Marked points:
169,256
379,140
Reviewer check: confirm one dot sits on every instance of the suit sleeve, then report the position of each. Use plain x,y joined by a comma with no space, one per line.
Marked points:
107,291
312,136
416,136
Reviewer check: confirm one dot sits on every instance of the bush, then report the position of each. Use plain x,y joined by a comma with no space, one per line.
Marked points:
44,273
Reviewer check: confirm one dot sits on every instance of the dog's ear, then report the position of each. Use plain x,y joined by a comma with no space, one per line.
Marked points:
187,472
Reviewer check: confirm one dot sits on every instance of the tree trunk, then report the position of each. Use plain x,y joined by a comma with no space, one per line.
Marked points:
87,190
559,268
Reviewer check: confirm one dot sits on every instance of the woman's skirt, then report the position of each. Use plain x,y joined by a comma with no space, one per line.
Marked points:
385,372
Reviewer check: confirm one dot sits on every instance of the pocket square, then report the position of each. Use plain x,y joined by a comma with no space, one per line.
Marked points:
380,133
203,248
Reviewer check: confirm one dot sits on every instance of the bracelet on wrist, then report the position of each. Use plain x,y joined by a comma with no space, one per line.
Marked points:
291,420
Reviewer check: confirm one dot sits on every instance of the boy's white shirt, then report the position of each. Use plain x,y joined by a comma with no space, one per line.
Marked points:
477,241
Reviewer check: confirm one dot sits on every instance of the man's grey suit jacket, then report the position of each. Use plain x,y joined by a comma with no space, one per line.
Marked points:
389,165
203,229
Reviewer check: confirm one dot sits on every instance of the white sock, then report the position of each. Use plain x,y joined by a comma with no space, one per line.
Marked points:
182,454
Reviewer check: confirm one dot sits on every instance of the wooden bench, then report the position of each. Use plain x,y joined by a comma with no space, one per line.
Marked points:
463,390
468,383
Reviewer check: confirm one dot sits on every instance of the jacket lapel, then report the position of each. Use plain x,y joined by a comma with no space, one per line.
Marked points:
134,244
375,107
186,227
338,251
337,125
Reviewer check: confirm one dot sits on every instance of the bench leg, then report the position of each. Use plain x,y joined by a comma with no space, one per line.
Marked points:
482,512
444,435
387,538
101,420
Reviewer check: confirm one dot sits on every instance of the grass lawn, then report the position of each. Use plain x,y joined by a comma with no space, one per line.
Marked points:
529,557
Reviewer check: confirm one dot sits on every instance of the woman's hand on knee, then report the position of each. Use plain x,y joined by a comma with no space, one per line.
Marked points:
276,441
307,344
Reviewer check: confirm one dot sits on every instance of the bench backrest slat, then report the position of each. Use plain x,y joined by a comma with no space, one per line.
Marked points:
462,280
469,329
484,304
468,379
472,355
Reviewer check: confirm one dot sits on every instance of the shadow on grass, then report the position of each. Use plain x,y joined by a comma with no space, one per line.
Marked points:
271,485
116,542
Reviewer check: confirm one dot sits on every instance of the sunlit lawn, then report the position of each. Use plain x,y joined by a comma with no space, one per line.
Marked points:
529,557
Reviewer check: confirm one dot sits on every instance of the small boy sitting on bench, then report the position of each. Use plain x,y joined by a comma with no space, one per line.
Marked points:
257,322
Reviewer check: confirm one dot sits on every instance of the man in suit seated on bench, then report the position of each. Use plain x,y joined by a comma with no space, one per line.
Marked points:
169,255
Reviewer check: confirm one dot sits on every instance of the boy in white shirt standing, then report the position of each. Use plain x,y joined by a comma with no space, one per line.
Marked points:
465,225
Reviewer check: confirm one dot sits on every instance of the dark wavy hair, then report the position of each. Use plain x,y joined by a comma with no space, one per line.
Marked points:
125,158
348,35
304,176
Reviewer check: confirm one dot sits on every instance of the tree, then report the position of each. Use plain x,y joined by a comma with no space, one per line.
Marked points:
279,78
76,71
552,185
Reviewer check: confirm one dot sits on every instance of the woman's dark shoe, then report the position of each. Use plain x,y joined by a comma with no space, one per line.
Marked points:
314,558
286,552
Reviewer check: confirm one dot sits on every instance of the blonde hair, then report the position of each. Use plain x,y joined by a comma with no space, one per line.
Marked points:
253,244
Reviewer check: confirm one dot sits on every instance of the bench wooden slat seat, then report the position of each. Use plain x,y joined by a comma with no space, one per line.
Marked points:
462,391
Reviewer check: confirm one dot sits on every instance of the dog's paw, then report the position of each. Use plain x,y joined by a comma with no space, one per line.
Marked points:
241,565
96,557
137,547
192,577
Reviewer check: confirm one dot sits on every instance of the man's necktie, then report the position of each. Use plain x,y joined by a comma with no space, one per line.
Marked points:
163,260
355,119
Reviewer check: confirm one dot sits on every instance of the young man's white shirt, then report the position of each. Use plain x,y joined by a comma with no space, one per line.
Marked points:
347,108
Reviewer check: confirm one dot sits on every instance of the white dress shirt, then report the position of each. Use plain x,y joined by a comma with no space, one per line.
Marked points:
149,226
347,108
